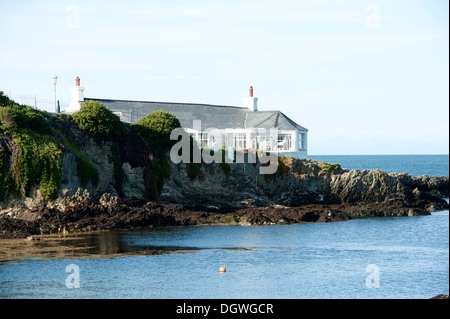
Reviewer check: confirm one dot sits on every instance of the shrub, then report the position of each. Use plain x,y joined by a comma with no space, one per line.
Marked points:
155,128
36,156
94,118
14,116
7,123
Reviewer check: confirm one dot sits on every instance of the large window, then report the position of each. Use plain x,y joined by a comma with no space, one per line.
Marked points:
284,141
263,141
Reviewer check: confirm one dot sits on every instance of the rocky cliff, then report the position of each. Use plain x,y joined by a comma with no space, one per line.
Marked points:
297,183
122,169
112,184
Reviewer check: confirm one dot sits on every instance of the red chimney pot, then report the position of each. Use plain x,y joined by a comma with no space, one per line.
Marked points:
251,91
77,81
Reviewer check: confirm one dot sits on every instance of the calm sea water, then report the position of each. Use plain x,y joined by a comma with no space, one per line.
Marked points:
369,258
416,165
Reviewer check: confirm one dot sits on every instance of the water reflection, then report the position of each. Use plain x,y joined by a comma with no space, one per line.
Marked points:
113,243
93,244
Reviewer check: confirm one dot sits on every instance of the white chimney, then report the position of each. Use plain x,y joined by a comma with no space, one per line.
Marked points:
251,102
77,97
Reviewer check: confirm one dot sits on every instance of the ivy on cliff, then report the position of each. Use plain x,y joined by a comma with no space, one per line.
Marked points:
5,178
37,163
155,128
36,155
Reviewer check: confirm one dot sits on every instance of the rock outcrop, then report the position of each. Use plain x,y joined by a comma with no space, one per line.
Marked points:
300,182
123,167
124,194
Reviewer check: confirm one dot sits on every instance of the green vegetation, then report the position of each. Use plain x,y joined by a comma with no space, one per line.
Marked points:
87,172
96,119
112,158
37,163
155,128
231,219
36,159
16,117
330,167
325,167
5,179
102,124
161,171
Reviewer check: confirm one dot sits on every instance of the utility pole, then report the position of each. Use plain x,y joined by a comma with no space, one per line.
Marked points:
54,77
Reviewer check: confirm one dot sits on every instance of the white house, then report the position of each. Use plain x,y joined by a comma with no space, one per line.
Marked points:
240,127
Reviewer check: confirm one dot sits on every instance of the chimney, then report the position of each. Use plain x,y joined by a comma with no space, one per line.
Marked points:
251,102
77,97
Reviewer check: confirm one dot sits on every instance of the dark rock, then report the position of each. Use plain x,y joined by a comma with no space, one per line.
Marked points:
440,297
302,192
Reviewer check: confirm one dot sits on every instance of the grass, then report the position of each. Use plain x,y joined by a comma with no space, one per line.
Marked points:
330,167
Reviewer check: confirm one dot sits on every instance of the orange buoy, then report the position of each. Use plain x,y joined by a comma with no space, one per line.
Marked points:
222,269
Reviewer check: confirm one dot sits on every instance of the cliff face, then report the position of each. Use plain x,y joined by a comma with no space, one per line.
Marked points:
124,172
109,185
121,169
124,168
102,174
298,182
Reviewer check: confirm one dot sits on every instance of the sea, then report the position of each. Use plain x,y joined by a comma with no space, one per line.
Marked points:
371,258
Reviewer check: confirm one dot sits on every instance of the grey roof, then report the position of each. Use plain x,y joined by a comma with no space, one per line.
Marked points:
211,116
269,119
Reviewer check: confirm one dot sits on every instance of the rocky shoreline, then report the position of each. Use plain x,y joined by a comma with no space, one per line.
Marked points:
303,193
80,214
124,185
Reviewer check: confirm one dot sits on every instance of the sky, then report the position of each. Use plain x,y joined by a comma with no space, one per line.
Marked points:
365,77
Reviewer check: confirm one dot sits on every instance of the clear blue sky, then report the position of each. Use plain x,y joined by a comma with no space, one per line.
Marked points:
364,77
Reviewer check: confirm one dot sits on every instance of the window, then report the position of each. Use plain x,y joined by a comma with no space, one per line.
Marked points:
215,140
240,140
203,140
263,141
302,141
284,141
